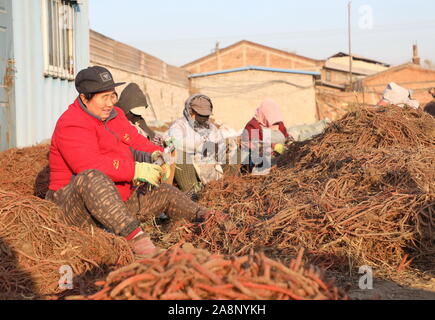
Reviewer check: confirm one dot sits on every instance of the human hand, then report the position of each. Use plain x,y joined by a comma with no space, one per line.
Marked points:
166,172
147,172
279,148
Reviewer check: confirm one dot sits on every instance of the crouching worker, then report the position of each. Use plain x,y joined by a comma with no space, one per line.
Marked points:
203,155
133,103
430,107
265,134
95,157
397,95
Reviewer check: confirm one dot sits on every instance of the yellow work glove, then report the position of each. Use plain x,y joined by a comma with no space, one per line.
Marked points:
166,168
157,158
279,148
147,172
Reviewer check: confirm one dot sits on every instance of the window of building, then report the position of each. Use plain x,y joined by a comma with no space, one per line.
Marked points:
59,38
328,76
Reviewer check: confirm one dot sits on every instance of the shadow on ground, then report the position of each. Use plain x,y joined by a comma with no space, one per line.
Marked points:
15,283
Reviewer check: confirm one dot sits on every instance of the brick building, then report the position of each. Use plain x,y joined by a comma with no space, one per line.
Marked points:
409,75
333,103
169,86
246,53
335,71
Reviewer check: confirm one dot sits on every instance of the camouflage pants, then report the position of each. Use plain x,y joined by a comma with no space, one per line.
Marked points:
92,199
187,179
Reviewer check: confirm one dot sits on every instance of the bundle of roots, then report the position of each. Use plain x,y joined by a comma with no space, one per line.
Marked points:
25,171
361,193
185,273
36,248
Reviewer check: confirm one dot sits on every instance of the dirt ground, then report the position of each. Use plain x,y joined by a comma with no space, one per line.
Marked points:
410,284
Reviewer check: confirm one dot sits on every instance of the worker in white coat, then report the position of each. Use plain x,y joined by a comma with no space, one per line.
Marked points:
201,147
397,95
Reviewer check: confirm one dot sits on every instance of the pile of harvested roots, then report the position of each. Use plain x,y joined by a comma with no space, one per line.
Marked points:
185,273
361,193
34,245
25,171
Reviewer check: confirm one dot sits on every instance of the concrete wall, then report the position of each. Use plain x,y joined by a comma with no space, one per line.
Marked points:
246,53
166,85
337,77
167,98
237,95
334,104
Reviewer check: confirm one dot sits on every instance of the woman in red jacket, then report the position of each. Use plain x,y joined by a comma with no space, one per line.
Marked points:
95,157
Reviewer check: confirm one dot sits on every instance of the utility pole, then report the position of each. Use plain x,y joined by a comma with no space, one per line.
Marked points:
350,44
217,51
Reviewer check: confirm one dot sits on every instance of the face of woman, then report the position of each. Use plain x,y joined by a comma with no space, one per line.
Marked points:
101,104
192,115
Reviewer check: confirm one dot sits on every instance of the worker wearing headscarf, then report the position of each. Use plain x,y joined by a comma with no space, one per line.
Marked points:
199,143
397,95
268,117
134,104
430,107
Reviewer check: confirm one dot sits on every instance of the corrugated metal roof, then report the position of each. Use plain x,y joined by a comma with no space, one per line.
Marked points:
311,73
358,57
345,68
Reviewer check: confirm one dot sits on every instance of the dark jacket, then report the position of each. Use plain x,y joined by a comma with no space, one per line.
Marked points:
430,108
133,97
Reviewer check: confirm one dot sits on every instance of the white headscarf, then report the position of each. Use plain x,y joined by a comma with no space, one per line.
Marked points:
395,94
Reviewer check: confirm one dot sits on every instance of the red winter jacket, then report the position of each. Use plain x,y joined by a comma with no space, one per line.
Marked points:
81,141
255,125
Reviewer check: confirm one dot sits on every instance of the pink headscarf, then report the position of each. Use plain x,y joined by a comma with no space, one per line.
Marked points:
269,113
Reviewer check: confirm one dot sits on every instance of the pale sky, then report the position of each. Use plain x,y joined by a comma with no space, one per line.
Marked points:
179,32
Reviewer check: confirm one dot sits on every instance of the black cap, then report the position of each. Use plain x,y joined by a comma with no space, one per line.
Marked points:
94,80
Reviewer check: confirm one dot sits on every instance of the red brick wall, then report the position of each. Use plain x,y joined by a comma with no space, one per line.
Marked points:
247,54
231,60
280,62
256,57
206,66
301,65
414,78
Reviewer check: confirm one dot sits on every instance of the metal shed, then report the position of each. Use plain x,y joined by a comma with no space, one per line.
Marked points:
43,43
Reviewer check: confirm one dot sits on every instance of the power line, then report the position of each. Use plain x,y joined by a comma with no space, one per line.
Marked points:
315,32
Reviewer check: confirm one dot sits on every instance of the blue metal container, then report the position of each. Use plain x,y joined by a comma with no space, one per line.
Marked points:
31,100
